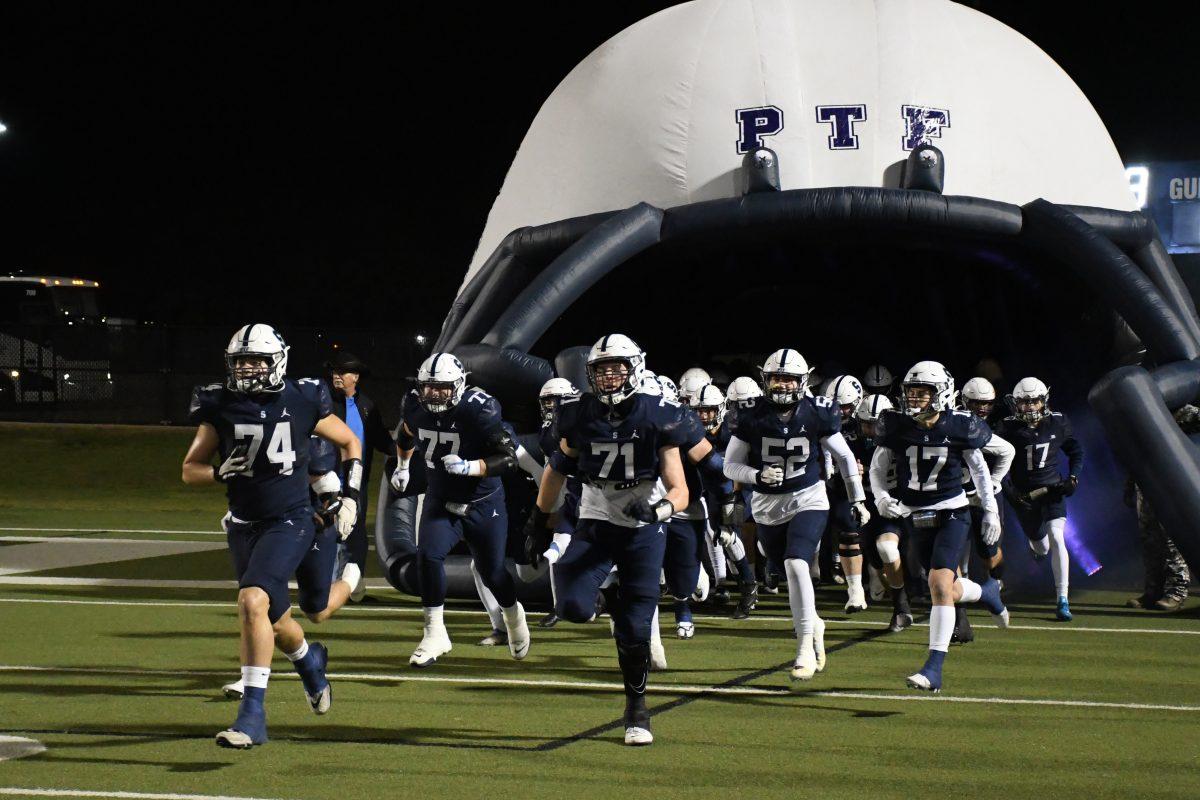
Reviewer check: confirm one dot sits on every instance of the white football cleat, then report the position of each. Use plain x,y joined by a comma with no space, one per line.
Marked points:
234,739
434,644
1001,619
322,701
856,599
637,737
352,575
819,643
805,666
235,690
518,631
685,630
495,638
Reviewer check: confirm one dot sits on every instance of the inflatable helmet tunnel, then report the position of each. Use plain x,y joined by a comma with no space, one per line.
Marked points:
883,179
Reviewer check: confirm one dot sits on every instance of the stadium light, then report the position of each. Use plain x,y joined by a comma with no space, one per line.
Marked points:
3,128
1139,183
420,338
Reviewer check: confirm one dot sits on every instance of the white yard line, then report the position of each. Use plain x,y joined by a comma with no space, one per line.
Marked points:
18,791
110,530
94,539
140,583
664,688
382,584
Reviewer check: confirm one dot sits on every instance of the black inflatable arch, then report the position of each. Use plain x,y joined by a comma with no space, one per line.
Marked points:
536,274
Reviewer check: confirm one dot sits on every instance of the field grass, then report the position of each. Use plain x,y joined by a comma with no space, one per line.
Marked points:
122,684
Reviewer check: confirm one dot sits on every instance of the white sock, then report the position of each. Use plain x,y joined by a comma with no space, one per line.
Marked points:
801,596
972,591
1060,561
488,599
941,626
433,616
717,554
736,550
256,677
553,591
513,612
300,651
854,581
655,633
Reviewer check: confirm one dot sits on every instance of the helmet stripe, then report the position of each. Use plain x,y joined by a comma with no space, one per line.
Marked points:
249,329
433,367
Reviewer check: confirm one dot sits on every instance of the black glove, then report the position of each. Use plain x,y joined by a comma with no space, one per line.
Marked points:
644,512
1067,488
538,535
327,508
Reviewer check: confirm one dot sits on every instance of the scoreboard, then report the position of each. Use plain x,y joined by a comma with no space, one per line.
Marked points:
1169,193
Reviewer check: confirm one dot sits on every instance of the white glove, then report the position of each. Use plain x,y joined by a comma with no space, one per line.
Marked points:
991,528
456,466
400,477
347,515
726,535
771,476
889,507
860,513
236,465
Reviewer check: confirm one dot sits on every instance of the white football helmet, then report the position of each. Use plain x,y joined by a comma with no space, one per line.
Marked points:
1025,393
621,349
871,407
846,392
669,389
743,388
552,393
785,364
935,376
256,360
709,405
979,389
651,386
441,382
878,379
692,381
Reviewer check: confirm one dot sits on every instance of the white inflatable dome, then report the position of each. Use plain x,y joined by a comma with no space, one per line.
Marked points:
653,114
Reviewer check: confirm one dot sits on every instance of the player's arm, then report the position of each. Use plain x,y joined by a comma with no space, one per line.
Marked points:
881,466
1074,451
981,476
197,463
501,458
847,465
1003,452
406,445
670,469
737,466
562,463
530,464
333,430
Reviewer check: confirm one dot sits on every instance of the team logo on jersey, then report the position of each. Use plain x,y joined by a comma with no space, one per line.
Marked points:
285,413
922,123
262,414
495,513
754,124
841,119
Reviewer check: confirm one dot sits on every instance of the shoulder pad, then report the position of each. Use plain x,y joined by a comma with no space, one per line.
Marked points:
205,402
317,392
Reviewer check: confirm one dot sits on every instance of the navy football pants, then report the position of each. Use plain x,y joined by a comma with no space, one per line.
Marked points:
942,547
681,562
799,537
267,553
485,529
595,548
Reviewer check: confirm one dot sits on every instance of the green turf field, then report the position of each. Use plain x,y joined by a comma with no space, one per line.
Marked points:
121,683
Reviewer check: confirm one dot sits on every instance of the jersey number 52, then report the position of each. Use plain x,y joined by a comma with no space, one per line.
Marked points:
793,465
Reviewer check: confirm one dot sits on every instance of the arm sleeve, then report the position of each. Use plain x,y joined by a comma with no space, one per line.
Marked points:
712,475
528,463
1004,453
881,463
736,468
981,476
835,446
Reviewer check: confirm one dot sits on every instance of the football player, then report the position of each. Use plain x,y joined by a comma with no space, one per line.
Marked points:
877,379
742,392
886,533
711,406
930,444
1038,490
847,394
252,422
625,445
691,382
466,448
776,446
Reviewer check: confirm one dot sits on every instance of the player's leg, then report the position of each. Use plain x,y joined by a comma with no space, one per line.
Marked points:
495,616
887,547
638,554
439,532
1054,528
486,532
849,543
735,551
802,539
564,527
319,597
681,564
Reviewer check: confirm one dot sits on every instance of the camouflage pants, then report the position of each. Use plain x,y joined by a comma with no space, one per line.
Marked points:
1167,574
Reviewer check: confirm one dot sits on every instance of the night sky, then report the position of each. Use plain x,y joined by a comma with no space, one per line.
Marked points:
236,160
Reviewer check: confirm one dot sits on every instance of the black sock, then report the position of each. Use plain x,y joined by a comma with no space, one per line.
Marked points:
635,666
900,601
997,571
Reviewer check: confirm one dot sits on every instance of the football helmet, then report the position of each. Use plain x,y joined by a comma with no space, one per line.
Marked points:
871,407
785,365
692,381
847,393
1030,400
743,388
611,384
709,405
878,379
669,389
256,360
650,385
441,382
552,393
978,396
934,376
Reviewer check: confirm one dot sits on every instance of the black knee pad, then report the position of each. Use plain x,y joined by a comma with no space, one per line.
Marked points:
850,544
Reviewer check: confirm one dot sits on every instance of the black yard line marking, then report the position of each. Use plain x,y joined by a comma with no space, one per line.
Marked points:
741,680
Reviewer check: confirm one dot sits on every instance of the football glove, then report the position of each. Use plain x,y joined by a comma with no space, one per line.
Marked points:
400,477
889,507
771,475
346,517
726,535
237,464
457,466
644,512
991,528
1067,487
860,513
538,536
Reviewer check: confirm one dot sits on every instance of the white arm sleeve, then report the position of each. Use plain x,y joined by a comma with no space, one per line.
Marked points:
837,449
1004,453
981,477
530,464
881,464
736,468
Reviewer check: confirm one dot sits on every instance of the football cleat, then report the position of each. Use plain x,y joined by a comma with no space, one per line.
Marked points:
1169,603
320,694
962,633
1063,610
702,586
248,730
856,600
771,582
637,737
900,621
720,596
926,680
495,638
805,665
747,601
685,629
989,598
234,690
1001,619
548,621
819,643
518,631
637,722
434,644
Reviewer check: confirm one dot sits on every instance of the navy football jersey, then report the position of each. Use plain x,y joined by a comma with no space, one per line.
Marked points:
623,449
929,462
719,442
694,433
275,429
322,456
792,442
469,430
1037,462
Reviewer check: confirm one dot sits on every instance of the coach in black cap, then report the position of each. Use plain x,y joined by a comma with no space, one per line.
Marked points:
361,415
